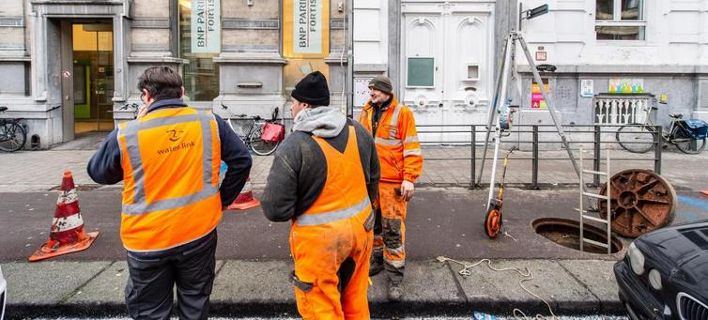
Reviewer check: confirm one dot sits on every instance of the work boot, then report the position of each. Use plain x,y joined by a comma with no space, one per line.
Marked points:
377,265
395,291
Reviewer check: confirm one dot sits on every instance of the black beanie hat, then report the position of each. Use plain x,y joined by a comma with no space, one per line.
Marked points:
312,89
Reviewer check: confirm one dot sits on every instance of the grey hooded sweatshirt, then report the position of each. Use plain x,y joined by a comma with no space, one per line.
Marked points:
299,170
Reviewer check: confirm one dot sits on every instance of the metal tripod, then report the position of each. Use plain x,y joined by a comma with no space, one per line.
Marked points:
501,96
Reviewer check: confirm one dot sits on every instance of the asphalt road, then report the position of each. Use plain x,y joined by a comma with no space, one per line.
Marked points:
440,222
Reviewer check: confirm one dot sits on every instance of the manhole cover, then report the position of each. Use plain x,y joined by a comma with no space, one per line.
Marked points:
567,233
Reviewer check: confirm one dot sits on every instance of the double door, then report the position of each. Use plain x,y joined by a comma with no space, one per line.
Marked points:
446,67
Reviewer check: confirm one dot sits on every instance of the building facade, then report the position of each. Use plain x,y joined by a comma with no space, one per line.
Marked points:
71,67
612,58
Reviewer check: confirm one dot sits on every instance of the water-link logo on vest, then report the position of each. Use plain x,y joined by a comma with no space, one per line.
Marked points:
175,135
181,146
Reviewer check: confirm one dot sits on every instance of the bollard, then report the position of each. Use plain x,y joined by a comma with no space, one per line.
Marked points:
473,156
658,147
534,160
596,156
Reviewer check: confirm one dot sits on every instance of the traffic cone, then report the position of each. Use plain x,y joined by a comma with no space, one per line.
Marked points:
245,199
67,232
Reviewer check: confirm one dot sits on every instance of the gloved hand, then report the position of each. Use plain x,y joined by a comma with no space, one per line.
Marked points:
407,189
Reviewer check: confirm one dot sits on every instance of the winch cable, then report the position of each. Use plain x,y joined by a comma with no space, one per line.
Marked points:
525,274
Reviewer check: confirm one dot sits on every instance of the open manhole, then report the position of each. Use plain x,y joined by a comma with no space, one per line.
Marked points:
567,233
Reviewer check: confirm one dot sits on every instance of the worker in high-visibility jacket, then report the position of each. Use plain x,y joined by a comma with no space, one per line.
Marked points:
393,128
324,179
169,159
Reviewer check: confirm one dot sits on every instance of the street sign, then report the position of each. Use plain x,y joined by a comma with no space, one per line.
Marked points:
538,11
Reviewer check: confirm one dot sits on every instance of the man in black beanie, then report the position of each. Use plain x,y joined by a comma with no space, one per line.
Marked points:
324,179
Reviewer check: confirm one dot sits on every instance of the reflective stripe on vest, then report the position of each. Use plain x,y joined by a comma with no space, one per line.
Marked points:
139,205
391,140
394,122
327,217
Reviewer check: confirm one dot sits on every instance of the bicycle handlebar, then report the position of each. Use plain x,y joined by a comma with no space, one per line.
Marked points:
244,116
129,105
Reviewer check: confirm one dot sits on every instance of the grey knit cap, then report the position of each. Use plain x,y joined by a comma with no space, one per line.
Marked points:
381,83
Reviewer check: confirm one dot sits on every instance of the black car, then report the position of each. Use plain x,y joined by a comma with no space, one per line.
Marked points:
665,274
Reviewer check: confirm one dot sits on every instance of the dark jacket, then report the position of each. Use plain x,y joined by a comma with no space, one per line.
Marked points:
299,172
105,167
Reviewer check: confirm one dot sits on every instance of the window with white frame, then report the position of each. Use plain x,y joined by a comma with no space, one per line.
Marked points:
619,20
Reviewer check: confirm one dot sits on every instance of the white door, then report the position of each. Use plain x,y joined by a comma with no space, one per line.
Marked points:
447,66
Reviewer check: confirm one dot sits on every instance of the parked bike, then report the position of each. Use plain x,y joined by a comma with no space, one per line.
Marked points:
688,135
12,134
263,136
133,107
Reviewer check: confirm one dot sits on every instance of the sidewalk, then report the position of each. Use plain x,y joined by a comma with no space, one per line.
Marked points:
42,170
261,288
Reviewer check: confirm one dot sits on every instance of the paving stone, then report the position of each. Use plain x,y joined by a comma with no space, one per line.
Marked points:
48,282
549,281
597,276
424,282
254,282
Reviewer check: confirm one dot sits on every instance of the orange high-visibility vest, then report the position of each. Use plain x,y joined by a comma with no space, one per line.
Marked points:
170,159
397,142
344,194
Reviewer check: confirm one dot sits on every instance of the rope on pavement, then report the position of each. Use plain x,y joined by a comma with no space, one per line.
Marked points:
525,273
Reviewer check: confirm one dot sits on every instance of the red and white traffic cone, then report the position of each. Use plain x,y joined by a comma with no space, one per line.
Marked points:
245,199
67,233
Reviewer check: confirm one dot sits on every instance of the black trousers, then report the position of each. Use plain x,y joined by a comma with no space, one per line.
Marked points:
149,292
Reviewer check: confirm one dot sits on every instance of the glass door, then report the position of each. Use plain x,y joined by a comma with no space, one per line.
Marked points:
93,76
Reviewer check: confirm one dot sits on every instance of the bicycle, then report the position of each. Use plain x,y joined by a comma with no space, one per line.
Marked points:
689,136
252,137
12,134
133,107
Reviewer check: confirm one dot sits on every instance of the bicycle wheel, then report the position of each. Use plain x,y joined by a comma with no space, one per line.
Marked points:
635,138
260,147
686,143
12,137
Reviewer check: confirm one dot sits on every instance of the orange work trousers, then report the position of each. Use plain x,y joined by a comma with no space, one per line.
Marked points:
331,275
390,232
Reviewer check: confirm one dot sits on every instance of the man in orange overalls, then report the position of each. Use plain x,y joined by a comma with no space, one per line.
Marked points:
397,145
324,179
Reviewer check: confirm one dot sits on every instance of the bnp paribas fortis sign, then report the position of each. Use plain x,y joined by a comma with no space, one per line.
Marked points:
305,37
206,26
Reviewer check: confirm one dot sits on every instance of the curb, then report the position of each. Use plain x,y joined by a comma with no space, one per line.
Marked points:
378,309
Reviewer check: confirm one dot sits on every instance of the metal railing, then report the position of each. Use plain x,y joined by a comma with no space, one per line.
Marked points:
534,138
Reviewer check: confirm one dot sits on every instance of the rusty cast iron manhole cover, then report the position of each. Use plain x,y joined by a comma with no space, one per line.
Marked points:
640,201
567,233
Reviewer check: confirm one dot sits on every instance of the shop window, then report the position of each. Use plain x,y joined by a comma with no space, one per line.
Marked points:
421,72
619,20
201,74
